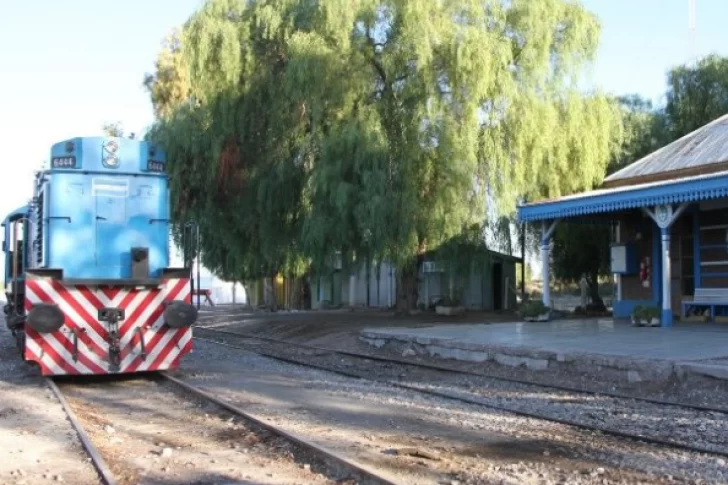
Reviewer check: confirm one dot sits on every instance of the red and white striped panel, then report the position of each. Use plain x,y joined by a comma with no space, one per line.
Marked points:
54,352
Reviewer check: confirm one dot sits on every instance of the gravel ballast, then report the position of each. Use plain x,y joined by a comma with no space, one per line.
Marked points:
704,429
384,427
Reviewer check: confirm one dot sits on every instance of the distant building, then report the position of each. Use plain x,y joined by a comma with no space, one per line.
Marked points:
490,287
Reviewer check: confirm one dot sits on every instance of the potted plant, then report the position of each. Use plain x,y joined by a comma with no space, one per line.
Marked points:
449,307
652,316
637,315
646,316
535,311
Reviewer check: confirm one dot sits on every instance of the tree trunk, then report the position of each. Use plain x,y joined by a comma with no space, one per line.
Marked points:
297,293
408,285
270,297
597,304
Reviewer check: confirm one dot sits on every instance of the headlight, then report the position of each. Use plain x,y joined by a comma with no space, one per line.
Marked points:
45,318
111,161
179,314
112,146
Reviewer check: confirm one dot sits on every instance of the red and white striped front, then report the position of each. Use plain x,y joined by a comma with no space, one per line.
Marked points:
56,354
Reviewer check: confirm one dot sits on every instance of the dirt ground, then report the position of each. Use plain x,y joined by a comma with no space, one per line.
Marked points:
310,326
37,443
150,432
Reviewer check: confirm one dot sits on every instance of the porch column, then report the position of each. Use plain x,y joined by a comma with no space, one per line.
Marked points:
618,238
666,293
664,216
546,232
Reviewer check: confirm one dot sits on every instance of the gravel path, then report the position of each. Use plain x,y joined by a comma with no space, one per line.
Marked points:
38,445
380,425
341,331
150,432
702,429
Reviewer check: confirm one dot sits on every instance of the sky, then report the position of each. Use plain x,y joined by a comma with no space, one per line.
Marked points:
68,66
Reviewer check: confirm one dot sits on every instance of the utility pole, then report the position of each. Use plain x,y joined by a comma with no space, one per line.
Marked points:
524,227
523,261
198,267
691,29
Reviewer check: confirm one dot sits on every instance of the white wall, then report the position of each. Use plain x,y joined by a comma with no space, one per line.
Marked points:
387,287
222,291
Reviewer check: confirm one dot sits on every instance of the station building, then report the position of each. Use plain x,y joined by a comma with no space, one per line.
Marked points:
669,213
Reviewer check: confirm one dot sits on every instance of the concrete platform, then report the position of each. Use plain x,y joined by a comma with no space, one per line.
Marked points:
634,353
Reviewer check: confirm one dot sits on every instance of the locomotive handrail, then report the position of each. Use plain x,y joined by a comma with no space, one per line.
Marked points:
152,221
14,285
59,217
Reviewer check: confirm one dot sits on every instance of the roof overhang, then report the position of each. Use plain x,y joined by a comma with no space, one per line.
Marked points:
605,201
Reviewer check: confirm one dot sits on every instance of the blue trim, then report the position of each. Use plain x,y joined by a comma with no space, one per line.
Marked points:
691,190
714,275
666,318
696,250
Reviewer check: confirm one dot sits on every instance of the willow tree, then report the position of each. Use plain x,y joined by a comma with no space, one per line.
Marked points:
697,94
461,104
379,128
235,140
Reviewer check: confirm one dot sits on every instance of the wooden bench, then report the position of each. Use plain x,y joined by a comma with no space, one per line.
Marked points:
204,292
707,298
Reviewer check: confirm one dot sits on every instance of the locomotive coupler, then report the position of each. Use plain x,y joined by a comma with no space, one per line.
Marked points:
112,316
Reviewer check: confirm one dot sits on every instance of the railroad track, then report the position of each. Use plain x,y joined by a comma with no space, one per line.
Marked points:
427,366
620,401
329,461
105,473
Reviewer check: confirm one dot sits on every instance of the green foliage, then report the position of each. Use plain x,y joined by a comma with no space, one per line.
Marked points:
696,94
533,308
378,128
584,248
169,85
646,313
580,249
113,129
644,131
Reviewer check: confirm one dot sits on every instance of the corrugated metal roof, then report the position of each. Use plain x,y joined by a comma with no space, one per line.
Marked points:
705,146
627,188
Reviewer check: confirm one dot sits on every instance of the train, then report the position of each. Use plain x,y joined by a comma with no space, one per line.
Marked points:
88,281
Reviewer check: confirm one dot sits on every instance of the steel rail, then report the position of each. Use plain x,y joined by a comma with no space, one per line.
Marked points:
107,477
466,400
423,365
322,452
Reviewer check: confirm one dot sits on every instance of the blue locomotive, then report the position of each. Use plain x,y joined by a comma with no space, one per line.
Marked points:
87,277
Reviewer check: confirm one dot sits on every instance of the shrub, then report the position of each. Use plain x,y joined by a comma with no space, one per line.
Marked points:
533,308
